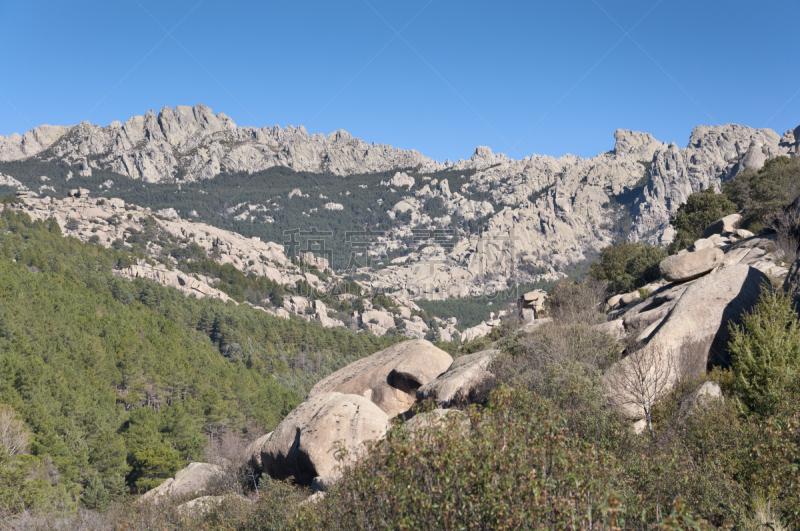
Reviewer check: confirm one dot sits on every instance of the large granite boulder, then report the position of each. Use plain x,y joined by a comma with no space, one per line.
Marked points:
389,378
686,266
194,478
693,334
467,381
307,443
253,450
726,225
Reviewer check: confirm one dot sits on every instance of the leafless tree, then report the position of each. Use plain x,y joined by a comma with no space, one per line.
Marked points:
639,380
13,433
786,225
649,372
230,452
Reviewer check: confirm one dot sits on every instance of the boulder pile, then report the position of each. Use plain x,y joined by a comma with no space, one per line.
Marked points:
682,321
355,406
531,305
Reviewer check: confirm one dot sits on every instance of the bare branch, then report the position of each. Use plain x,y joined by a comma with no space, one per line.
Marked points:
13,433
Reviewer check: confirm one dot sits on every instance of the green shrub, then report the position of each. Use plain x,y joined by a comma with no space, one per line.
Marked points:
765,352
476,345
776,464
693,217
563,363
516,467
29,482
760,195
627,266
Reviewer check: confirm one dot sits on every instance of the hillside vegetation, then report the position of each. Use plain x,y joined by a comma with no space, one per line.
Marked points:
364,200
118,384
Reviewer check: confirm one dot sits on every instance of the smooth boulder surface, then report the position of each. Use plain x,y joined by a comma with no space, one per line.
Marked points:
307,442
195,477
467,381
389,378
253,450
702,243
686,266
615,328
695,333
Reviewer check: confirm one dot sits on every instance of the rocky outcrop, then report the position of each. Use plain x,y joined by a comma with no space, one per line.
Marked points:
713,155
194,478
556,211
694,333
702,314
389,378
531,304
726,225
322,435
110,221
186,284
198,144
467,381
686,266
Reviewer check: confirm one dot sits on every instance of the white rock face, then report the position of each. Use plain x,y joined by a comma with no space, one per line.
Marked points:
691,334
201,144
543,211
713,155
400,180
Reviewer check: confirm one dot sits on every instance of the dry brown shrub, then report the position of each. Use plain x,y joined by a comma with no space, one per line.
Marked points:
571,302
229,452
787,228
14,434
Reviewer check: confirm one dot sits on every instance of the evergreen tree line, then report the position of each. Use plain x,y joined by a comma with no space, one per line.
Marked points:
118,384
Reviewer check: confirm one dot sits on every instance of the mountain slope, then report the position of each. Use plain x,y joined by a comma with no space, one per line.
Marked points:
507,221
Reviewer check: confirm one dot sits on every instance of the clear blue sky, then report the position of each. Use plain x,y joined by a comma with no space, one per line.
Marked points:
520,77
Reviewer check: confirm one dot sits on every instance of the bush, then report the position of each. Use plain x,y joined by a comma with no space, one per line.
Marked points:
693,217
516,467
765,352
563,363
627,266
776,467
760,195
570,302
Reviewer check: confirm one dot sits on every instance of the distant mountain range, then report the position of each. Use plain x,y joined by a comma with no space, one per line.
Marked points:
513,220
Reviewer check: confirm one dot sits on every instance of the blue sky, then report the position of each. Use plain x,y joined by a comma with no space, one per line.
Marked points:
520,77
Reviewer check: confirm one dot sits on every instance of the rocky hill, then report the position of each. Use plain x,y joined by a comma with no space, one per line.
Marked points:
192,143
511,221
113,223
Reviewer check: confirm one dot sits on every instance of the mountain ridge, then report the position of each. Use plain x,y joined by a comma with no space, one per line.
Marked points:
537,214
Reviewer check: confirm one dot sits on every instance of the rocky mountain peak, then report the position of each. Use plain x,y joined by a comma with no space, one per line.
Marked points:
640,145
